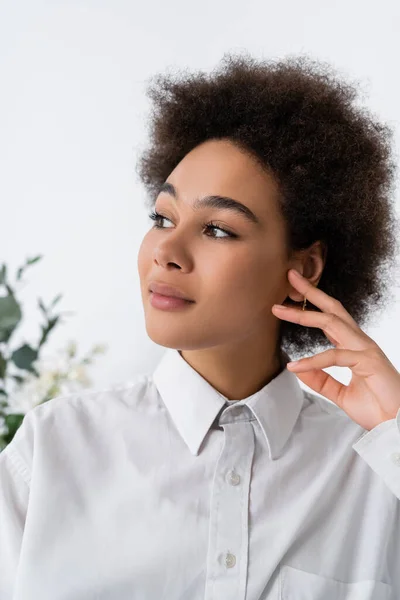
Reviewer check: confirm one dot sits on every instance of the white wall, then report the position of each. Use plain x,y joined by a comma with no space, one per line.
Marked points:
72,111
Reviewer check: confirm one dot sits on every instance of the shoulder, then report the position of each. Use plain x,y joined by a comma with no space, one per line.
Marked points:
316,404
66,408
329,417
319,404
82,418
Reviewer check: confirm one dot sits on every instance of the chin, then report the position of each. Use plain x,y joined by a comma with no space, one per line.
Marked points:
169,337
178,338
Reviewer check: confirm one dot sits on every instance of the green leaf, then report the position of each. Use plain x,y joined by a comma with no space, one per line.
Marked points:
12,422
56,299
47,328
18,378
10,290
35,372
3,366
24,357
10,316
42,307
3,274
31,261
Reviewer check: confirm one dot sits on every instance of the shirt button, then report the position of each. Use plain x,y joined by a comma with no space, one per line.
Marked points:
230,560
233,478
396,458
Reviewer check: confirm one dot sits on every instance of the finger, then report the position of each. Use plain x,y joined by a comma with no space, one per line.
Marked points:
323,383
330,358
332,325
336,330
319,298
309,371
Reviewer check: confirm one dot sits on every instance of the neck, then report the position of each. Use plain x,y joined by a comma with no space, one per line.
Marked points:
236,373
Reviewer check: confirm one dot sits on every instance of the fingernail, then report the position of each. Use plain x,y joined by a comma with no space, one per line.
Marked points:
280,306
297,273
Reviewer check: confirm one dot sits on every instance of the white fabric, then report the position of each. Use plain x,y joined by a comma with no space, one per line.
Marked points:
136,493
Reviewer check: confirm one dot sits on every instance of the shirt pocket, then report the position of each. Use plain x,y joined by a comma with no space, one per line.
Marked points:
303,585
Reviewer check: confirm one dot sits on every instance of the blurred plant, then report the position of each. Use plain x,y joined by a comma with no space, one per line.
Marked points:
36,379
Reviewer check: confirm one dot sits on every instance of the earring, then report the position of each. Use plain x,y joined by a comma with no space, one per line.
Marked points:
304,303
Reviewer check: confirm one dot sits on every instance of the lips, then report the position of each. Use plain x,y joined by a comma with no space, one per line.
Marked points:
167,290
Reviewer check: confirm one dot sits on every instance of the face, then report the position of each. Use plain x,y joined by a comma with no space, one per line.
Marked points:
233,279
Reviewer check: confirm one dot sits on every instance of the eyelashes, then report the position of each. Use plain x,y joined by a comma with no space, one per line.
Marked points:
157,217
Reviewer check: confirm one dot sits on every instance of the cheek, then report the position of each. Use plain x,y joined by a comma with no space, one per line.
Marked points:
246,281
144,256
236,278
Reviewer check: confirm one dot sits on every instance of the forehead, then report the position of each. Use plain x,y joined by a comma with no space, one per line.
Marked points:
220,167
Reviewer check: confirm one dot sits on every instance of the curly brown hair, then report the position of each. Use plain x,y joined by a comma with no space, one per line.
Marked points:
332,159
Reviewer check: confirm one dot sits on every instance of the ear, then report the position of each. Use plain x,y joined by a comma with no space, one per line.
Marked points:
310,263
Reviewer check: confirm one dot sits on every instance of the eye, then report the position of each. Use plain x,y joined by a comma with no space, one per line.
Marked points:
157,217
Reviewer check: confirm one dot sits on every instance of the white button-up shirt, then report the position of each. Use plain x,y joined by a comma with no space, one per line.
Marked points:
163,489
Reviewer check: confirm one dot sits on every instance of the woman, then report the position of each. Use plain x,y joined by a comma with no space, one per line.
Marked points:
218,476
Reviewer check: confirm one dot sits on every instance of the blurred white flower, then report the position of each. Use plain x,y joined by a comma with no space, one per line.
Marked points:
78,373
71,348
59,374
28,394
99,348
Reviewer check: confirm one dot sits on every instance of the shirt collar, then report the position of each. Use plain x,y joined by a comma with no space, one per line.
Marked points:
194,404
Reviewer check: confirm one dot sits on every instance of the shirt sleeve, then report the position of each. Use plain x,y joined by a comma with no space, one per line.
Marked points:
14,498
380,448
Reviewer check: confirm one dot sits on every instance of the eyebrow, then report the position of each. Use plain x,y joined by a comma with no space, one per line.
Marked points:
218,202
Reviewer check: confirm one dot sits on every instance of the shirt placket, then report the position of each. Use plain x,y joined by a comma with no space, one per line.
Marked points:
227,559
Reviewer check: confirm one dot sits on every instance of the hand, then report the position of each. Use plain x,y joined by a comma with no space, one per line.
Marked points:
373,394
